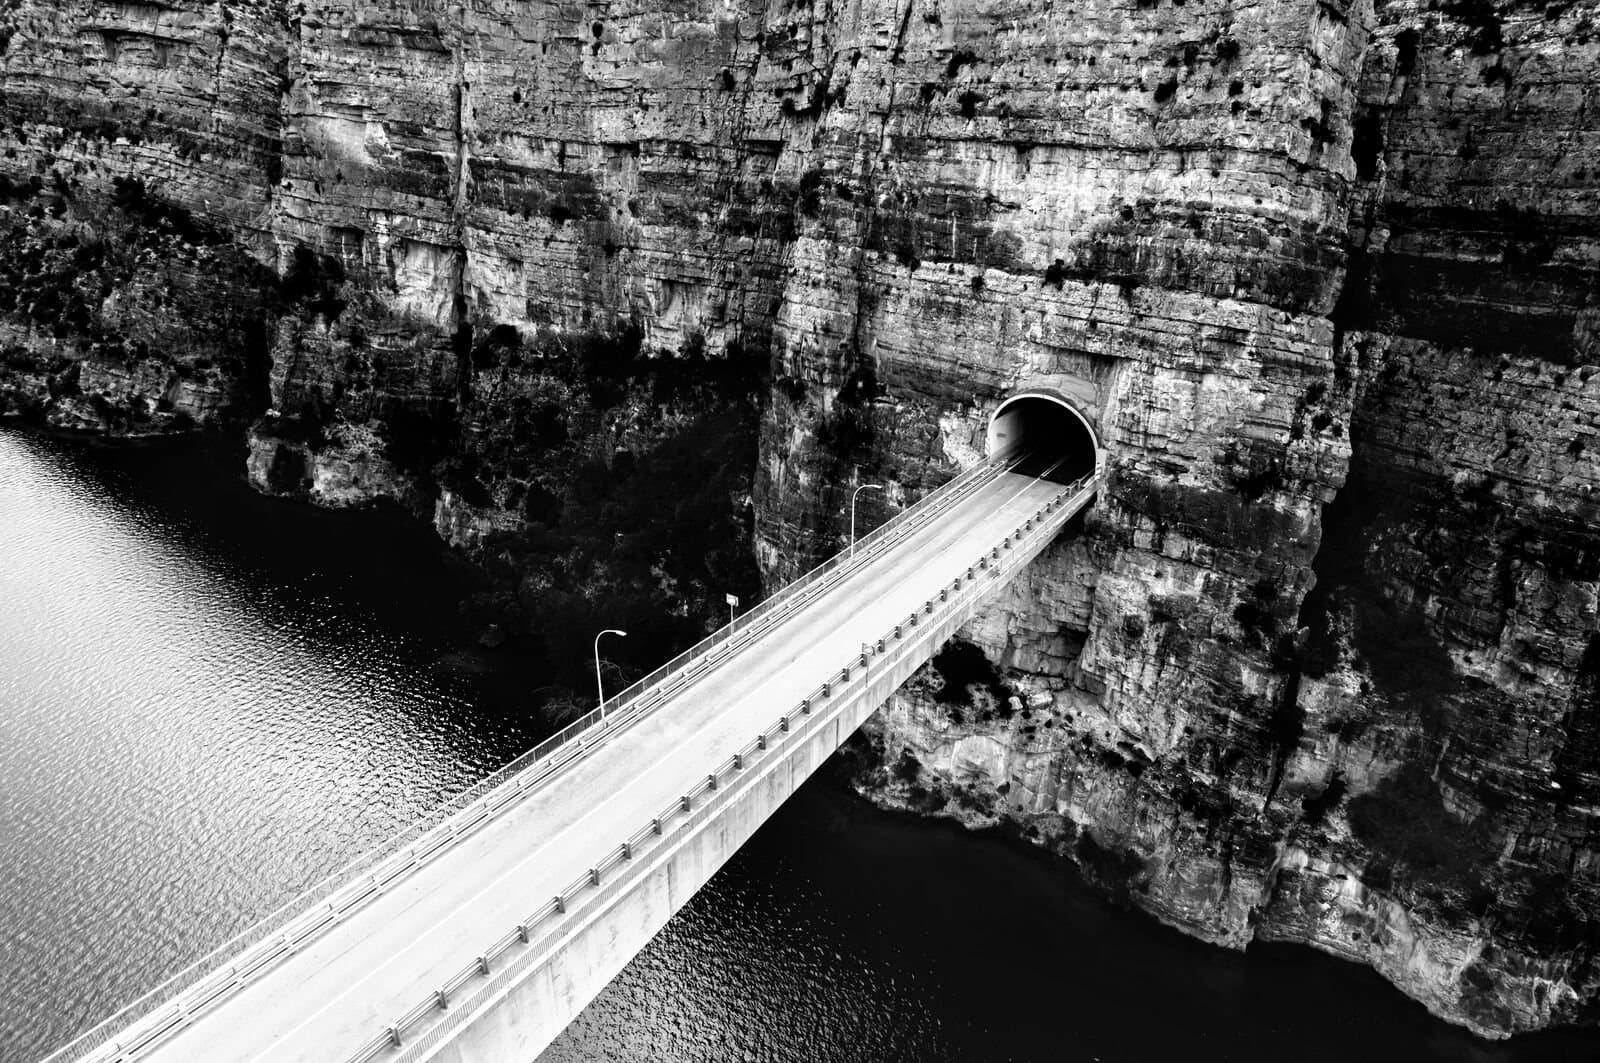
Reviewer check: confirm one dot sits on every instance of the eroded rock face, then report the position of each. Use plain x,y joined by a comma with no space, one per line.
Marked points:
610,295
1399,767
140,146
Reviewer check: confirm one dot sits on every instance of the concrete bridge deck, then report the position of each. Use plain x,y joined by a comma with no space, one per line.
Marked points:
325,1001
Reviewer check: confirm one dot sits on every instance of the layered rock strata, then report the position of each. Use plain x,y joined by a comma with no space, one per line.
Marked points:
1321,663
1398,767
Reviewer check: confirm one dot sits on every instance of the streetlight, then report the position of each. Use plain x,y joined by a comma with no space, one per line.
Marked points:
853,494
599,688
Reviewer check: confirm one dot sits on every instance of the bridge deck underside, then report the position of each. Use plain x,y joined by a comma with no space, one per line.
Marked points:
326,1001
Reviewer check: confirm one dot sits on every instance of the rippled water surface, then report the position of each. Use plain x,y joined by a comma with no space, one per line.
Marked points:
847,935
208,699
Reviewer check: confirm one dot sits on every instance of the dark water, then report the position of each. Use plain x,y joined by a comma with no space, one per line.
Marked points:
208,699
845,934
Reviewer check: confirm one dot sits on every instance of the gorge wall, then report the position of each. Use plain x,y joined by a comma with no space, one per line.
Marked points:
611,292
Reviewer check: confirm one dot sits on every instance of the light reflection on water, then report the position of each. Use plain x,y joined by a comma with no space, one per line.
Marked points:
208,700
199,715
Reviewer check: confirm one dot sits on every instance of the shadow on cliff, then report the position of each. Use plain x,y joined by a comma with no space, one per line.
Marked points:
630,477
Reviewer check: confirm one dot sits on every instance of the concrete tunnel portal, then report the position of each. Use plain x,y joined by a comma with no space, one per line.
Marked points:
1055,441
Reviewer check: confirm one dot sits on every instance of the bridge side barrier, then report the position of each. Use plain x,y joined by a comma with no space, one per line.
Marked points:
799,722
155,1013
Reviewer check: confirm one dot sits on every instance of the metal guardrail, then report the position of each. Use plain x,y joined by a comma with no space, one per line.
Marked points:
139,1025
801,721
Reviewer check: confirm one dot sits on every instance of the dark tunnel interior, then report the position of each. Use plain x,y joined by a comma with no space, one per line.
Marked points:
1052,440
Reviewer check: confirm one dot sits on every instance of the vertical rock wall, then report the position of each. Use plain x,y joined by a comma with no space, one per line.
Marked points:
611,292
140,150
1399,767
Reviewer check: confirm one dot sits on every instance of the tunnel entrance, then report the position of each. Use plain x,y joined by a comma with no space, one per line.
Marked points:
1052,437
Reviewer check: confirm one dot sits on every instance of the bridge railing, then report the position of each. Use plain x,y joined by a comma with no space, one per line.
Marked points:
179,998
597,883
688,666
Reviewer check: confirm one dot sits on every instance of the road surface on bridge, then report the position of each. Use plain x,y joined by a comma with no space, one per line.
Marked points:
323,1003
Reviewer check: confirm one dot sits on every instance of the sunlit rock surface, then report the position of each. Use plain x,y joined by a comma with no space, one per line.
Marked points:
612,295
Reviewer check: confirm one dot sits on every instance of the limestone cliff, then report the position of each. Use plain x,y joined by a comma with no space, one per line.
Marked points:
1399,766
1322,662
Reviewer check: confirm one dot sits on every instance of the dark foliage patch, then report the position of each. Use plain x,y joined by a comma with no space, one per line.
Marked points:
908,767
1405,821
961,666
810,192
1256,614
1366,145
1317,806
1483,21
316,283
1253,472
57,276
1117,869
1323,129
417,439
846,431
155,216
1558,919
1405,44
619,524
958,59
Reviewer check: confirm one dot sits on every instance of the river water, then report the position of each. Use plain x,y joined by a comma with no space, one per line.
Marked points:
208,700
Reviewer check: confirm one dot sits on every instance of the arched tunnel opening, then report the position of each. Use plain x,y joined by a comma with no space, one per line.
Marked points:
1052,439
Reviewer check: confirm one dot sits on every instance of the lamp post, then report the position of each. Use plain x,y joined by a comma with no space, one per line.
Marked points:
853,495
599,688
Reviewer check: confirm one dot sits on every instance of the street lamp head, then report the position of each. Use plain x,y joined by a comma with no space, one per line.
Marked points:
853,496
599,687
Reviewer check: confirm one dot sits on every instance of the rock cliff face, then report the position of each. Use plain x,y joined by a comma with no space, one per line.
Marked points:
1320,665
1400,766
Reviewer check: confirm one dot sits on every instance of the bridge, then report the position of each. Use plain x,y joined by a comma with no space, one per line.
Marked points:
479,933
